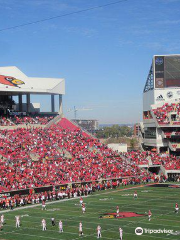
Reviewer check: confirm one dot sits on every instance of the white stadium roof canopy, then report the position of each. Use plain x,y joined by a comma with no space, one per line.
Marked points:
14,81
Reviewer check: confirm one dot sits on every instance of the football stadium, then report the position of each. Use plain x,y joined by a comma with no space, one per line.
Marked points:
58,181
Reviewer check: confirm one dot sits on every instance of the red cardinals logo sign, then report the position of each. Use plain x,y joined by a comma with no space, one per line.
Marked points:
10,81
121,215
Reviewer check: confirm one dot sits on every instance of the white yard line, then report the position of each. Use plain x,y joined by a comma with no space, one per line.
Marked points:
30,235
64,200
70,199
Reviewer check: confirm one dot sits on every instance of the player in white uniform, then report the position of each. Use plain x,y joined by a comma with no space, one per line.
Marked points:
117,211
60,226
2,219
149,215
120,233
17,221
44,224
99,231
80,229
81,201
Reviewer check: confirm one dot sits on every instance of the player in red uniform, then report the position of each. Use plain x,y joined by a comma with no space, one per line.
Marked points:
135,194
176,208
83,208
43,205
149,215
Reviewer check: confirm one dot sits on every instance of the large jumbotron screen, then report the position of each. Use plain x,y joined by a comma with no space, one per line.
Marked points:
167,71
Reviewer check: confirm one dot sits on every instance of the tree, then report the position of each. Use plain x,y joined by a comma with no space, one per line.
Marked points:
132,143
115,131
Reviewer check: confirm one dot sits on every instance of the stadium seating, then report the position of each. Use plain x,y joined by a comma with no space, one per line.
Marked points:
142,158
31,120
162,114
91,160
17,120
5,122
35,157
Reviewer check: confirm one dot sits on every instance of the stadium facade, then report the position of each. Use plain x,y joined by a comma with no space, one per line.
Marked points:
14,82
160,129
90,125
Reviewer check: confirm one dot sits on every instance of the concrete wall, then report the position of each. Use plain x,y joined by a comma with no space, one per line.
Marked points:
118,147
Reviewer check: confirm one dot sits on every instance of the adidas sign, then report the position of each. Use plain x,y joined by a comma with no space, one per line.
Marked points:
160,98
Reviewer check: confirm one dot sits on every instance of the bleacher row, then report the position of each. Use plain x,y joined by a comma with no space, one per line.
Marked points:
91,160
170,134
144,158
162,113
16,120
169,114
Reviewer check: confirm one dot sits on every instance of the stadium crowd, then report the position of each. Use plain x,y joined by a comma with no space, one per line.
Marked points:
37,157
17,120
152,158
31,120
91,160
162,113
5,122
59,194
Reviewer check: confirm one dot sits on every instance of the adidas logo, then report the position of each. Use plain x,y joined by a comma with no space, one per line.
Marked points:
160,97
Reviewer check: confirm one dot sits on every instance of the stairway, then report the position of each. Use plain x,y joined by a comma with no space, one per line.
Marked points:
53,121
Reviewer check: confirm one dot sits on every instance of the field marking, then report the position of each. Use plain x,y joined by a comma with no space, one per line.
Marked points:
69,199
63,211
40,228
84,236
64,200
89,216
127,225
15,232
30,235
80,216
90,195
129,221
100,212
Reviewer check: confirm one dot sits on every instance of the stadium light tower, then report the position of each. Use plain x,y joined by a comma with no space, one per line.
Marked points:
75,110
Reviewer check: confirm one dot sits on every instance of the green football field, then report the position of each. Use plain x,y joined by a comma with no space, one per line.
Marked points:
160,200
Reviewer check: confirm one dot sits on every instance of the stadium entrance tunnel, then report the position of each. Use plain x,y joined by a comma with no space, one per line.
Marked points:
155,170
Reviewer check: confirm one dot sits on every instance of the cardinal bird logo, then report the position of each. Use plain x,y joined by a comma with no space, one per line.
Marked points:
121,215
10,81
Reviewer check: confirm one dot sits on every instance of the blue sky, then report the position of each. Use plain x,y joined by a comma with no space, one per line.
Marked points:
104,54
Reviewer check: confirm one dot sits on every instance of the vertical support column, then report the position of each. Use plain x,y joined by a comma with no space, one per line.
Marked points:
52,104
158,149
28,102
60,105
20,102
